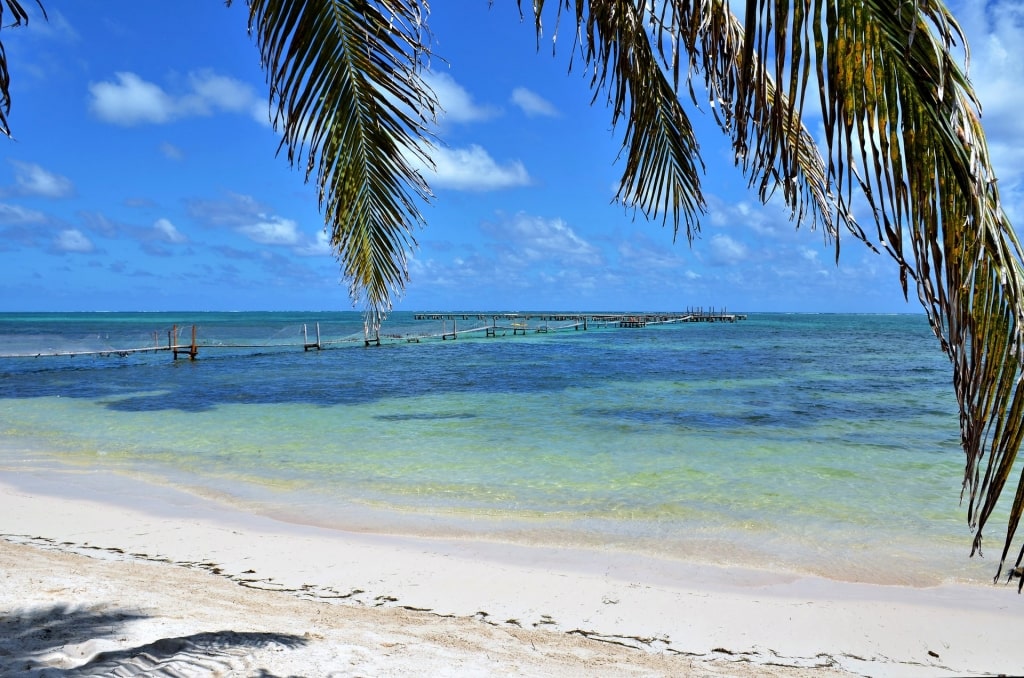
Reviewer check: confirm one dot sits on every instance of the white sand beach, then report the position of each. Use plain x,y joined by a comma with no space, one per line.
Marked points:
106,575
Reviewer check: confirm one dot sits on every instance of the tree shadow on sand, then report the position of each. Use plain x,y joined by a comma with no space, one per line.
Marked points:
62,640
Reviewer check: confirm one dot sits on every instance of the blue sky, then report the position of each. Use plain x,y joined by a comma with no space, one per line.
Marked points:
144,176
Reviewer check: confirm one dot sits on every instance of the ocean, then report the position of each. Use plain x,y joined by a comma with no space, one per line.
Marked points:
813,444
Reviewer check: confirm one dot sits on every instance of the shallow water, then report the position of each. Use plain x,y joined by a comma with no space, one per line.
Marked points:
814,443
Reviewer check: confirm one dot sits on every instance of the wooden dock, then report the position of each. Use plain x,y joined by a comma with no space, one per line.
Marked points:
488,325
520,322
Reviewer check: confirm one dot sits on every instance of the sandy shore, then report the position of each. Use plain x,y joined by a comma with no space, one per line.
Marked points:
101,575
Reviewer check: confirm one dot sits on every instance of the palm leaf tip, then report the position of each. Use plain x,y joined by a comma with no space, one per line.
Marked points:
19,17
353,110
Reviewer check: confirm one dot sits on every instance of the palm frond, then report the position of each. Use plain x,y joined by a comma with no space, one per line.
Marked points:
661,173
347,96
773,146
902,132
18,17
637,53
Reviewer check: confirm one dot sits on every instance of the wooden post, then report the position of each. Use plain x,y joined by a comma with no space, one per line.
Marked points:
194,349
455,329
305,339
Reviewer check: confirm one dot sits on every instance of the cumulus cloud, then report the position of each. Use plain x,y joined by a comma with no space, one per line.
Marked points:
235,210
640,253
456,102
212,92
726,250
996,71
15,214
72,240
536,238
245,215
272,230
31,179
320,246
533,104
764,220
167,232
473,169
129,100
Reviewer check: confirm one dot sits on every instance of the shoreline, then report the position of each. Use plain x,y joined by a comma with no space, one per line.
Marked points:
665,615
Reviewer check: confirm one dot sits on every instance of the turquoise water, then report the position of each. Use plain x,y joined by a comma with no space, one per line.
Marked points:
822,444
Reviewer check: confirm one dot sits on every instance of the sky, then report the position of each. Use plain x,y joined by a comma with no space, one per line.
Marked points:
144,176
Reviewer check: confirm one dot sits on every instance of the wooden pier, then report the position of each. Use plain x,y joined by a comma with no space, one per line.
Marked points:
519,323
172,344
488,325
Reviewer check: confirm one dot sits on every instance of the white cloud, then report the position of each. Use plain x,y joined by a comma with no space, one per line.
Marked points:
456,102
726,250
473,169
538,239
993,30
236,210
640,253
133,101
54,27
130,101
272,231
219,92
533,104
319,247
73,240
167,232
764,220
15,214
31,179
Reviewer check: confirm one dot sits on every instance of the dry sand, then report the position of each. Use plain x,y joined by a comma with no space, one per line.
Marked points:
101,575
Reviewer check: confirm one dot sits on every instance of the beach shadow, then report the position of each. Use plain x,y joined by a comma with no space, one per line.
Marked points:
31,639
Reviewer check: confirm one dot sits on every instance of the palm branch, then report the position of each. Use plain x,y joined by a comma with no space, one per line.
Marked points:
18,17
347,96
903,134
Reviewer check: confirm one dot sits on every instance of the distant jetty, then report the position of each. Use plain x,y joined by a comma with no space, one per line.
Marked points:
486,325
521,322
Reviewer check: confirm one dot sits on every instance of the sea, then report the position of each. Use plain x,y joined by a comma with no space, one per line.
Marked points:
821,444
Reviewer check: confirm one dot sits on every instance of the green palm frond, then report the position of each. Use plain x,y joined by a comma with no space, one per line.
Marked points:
901,125
17,17
661,152
902,135
642,60
347,96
